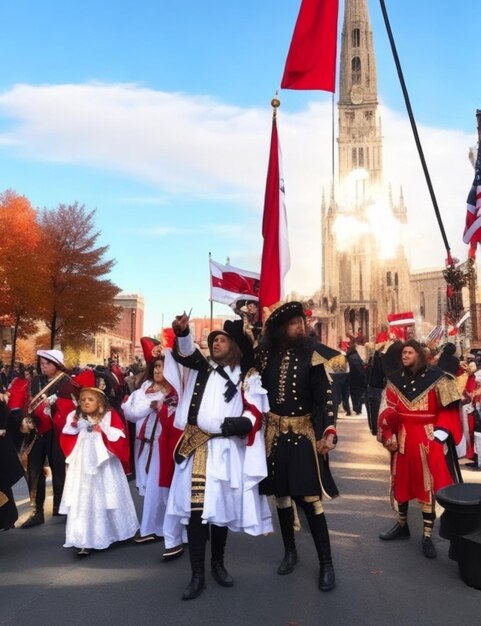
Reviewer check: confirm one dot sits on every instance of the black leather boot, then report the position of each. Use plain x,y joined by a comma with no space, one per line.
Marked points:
320,535
197,537
396,532
218,538
327,578
195,587
286,522
35,519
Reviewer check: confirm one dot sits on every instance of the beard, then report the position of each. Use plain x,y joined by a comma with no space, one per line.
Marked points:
300,344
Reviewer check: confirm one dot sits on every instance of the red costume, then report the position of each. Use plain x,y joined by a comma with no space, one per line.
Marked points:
421,413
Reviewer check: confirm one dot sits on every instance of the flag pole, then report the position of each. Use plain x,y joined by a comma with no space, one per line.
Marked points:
415,132
333,139
211,300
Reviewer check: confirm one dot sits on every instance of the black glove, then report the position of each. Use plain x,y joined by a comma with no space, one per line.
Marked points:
236,427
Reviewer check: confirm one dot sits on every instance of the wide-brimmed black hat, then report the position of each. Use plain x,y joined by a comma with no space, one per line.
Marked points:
284,313
214,334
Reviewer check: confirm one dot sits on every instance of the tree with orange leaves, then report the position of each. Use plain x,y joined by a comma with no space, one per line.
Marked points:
77,299
19,266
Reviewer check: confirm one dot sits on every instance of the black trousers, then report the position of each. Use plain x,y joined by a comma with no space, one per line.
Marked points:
46,447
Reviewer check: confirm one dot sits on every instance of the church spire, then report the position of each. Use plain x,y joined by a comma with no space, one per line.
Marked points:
360,141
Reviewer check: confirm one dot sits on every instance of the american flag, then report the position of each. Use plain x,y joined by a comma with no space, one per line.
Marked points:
472,229
436,334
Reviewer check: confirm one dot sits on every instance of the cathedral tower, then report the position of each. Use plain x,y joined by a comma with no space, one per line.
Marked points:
362,284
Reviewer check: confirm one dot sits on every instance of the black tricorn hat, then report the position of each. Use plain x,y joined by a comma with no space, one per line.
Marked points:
284,313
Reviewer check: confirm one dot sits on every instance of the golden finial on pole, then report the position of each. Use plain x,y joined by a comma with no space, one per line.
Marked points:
276,103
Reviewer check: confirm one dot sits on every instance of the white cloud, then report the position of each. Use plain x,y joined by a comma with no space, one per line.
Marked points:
203,149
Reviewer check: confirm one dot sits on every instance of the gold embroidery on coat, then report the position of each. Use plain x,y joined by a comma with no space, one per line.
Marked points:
199,463
447,391
192,438
427,478
317,359
401,438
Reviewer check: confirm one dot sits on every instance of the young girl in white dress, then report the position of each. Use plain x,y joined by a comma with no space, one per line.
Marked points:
96,496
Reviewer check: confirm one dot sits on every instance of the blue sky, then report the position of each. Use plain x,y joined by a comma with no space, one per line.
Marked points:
157,114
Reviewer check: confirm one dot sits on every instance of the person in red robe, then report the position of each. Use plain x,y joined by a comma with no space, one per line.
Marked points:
419,424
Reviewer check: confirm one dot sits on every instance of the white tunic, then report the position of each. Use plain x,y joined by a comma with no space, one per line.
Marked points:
137,410
96,496
233,469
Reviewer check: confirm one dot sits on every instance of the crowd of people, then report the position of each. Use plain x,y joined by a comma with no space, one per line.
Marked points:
217,440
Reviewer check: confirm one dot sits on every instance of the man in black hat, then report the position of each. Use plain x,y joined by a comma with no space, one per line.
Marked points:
300,430
208,488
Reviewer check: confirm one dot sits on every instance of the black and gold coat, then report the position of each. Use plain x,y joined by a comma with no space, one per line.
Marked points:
300,399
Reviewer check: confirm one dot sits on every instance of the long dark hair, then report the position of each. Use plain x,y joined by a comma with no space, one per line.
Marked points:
149,371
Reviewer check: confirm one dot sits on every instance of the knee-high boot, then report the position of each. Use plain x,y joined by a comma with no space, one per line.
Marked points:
320,534
218,538
197,537
286,522
428,548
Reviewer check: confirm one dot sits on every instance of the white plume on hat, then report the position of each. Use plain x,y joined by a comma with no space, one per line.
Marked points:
55,356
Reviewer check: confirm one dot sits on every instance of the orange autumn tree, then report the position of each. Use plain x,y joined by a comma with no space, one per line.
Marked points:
20,262
78,300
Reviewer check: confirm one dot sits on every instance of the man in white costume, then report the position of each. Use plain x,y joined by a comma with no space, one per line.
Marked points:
221,457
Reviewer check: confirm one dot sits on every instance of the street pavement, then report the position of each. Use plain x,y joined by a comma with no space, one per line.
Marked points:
378,583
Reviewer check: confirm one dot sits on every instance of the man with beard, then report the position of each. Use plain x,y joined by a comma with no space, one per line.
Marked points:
300,431
419,424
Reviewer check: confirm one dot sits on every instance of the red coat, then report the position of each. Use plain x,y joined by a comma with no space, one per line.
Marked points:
19,394
416,408
168,440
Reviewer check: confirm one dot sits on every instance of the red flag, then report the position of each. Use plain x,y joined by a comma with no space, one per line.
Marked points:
311,61
228,283
275,251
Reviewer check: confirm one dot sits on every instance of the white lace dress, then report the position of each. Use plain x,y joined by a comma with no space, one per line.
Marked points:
96,496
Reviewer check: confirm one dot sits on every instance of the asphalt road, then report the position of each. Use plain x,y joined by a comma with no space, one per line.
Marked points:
43,583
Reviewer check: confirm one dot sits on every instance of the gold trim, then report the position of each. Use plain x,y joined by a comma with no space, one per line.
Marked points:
199,464
192,438
448,391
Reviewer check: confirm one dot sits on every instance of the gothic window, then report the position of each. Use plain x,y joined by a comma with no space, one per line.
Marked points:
356,70
388,279
396,279
350,117
361,157
354,157
356,38
422,305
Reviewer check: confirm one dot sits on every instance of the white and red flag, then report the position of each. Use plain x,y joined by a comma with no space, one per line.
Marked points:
229,283
399,324
275,251
311,60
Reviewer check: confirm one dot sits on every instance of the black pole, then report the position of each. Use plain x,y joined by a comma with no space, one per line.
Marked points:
414,128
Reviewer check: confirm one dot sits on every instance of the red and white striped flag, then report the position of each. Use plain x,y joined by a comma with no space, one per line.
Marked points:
228,283
399,323
311,60
275,252
472,228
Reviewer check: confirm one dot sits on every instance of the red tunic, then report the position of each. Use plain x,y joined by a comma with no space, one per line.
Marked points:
419,468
